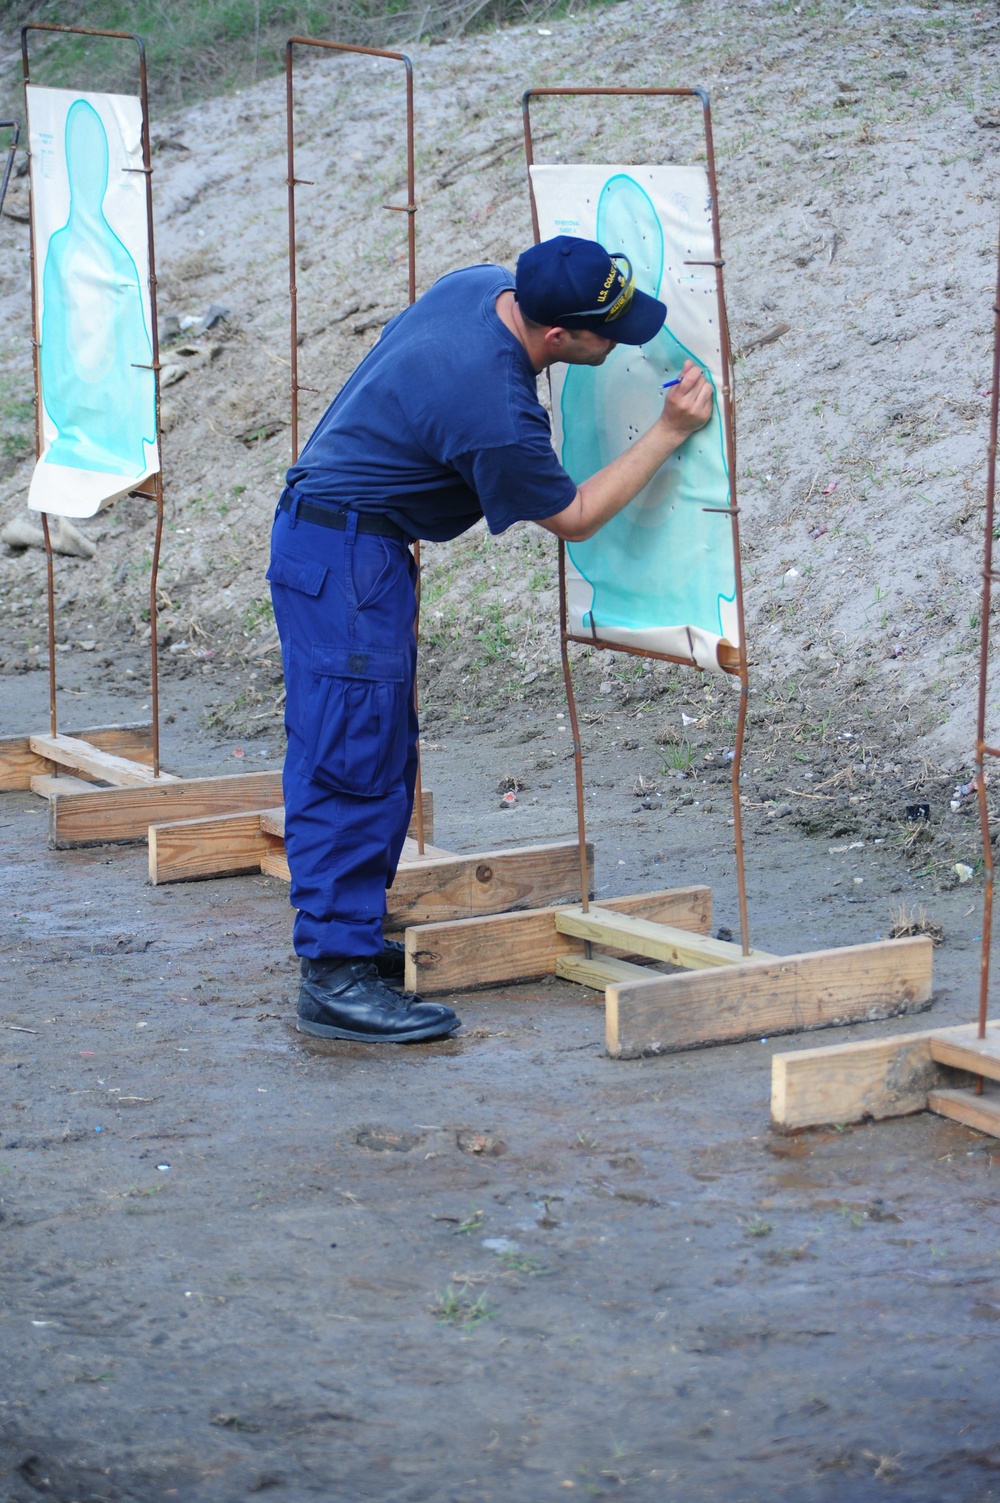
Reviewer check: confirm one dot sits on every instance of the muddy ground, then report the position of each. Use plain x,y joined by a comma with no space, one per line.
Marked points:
502,1267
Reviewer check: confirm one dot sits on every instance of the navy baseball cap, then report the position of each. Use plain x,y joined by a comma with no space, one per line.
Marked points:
569,283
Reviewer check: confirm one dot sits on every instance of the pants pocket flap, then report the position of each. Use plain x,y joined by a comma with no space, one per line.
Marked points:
303,574
359,663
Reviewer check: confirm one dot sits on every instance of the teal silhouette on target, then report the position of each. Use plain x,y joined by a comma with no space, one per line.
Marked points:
662,561
94,334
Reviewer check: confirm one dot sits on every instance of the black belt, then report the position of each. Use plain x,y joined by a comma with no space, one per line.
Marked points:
329,516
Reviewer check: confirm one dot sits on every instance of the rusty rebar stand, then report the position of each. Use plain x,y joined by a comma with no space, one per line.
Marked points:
718,992
410,210
926,1071
14,126
104,784
984,750
733,660
153,488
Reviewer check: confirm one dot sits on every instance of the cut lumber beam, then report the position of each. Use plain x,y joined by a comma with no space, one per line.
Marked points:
506,947
658,941
966,1051
19,764
274,822
599,971
83,756
122,814
445,886
273,861
227,845
884,1077
48,785
980,1112
764,997
485,882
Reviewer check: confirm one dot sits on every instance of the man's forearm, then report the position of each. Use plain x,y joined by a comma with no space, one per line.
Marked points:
605,494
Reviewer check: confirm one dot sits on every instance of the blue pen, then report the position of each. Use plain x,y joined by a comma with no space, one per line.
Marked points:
674,382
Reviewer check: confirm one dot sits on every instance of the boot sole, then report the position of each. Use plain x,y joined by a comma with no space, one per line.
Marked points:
412,1036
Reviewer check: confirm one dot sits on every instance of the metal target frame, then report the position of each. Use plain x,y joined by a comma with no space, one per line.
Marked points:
984,750
734,660
152,489
410,210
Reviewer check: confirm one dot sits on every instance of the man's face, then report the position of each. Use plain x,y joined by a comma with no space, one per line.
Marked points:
581,347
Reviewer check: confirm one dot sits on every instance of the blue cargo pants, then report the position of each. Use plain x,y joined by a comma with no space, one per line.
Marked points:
345,606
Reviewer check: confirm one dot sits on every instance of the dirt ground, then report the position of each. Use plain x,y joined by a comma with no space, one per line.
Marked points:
502,1267
506,1267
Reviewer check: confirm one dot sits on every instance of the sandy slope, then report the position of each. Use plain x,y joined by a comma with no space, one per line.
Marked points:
857,157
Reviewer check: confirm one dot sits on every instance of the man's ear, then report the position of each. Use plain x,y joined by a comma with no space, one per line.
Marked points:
556,339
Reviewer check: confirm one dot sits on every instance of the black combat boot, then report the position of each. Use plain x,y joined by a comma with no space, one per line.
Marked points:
347,999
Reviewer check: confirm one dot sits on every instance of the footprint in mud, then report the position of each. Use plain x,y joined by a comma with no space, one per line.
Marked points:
385,1140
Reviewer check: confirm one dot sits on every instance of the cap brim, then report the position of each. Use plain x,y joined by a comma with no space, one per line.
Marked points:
642,321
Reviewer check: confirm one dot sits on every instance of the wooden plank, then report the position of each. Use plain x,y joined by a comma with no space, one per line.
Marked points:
980,1112
485,882
122,814
410,854
19,764
508,947
82,756
273,822
764,997
225,845
446,886
599,971
883,1077
657,941
50,786
963,1050
273,861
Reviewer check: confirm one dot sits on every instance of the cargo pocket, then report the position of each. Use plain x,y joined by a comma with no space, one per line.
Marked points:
356,736
302,574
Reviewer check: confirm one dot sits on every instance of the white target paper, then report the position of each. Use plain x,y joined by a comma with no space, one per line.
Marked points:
660,576
93,327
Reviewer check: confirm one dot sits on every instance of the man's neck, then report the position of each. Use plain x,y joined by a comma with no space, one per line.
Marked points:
533,343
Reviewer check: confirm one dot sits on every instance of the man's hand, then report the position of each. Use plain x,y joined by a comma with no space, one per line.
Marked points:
687,408
688,405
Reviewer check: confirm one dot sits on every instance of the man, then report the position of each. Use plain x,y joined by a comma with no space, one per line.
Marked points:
439,425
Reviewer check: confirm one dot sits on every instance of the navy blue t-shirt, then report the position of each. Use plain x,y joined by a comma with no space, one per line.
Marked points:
440,424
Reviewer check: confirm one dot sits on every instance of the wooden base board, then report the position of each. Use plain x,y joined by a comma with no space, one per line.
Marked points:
116,815
759,998
19,763
884,1077
54,785
487,882
966,1051
437,885
230,844
657,941
507,947
729,998
599,971
980,1112
443,886
92,761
